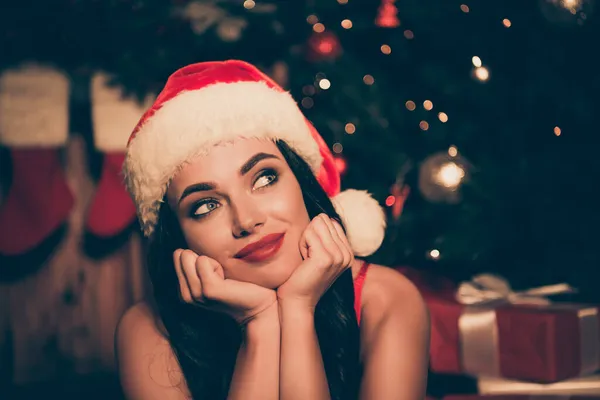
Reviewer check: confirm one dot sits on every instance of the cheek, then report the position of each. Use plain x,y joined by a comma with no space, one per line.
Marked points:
289,205
287,209
203,241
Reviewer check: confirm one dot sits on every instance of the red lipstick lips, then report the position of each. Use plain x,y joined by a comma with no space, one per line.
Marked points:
262,249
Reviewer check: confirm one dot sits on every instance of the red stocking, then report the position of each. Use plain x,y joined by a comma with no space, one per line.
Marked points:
114,117
39,201
34,125
112,209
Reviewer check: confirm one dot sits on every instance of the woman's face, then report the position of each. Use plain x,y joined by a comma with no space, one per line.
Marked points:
242,193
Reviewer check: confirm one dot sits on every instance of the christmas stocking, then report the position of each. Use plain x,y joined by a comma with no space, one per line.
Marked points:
112,211
34,120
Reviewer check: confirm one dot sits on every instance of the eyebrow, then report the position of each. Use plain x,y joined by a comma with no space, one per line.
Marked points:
244,169
255,159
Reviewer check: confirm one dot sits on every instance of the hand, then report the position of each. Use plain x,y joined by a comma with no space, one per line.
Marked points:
326,253
202,282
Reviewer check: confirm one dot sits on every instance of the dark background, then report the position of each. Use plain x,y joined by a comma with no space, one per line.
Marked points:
527,208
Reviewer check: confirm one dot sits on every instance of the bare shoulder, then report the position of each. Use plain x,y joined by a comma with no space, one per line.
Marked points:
148,368
388,291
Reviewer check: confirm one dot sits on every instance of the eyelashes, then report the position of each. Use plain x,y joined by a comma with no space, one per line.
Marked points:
266,177
202,208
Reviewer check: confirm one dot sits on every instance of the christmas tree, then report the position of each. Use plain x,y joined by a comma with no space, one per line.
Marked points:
472,123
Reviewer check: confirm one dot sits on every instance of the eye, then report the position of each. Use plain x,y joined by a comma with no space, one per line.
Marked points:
204,207
266,178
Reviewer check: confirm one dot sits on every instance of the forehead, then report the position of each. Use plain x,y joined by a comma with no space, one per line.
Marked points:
223,161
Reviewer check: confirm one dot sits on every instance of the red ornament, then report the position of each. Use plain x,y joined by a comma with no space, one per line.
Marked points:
324,46
397,198
387,15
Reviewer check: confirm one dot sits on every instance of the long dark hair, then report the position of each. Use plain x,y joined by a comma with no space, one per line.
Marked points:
206,343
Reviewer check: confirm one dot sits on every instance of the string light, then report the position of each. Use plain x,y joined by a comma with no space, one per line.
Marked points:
428,105
338,148
476,61
443,117
452,151
409,34
319,27
390,200
450,175
346,24
350,128
308,90
324,84
385,49
410,105
424,125
434,254
249,4
464,8
312,19
482,73
571,5
307,102
368,79
557,131
506,22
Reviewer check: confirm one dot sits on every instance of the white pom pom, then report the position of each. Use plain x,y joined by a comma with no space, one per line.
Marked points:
363,219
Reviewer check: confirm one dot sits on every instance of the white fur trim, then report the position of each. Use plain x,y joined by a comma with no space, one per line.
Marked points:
113,115
363,218
191,123
34,107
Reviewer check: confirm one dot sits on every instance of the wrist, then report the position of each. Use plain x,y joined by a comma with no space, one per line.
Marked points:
296,310
263,323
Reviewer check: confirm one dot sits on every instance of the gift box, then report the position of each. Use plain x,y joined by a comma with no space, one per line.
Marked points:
588,385
483,328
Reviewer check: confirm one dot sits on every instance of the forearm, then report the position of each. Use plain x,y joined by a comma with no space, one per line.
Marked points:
256,374
302,374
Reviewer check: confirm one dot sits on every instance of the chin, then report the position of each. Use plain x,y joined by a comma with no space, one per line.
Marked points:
277,274
278,271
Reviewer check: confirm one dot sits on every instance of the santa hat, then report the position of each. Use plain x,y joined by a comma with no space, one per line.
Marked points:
208,103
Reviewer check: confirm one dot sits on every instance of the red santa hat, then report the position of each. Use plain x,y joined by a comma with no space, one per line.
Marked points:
208,103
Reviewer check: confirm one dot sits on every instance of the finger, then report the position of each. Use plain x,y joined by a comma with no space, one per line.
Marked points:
342,235
309,243
334,234
329,243
303,245
207,270
184,290
308,240
188,263
332,231
341,244
347,249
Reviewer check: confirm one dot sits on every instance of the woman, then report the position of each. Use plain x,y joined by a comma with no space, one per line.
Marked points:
256,290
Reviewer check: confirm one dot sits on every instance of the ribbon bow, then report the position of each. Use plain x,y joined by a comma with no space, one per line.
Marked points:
484,289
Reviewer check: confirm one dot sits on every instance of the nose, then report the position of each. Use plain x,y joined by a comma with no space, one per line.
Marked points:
248,217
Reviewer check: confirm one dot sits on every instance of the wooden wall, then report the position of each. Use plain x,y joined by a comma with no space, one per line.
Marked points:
61,320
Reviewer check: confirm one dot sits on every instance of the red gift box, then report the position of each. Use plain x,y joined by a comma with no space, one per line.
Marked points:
526,342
